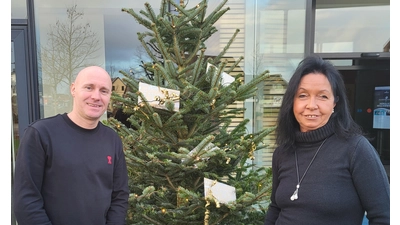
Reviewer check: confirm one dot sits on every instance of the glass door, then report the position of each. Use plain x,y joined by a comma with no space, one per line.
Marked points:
14,119
22,91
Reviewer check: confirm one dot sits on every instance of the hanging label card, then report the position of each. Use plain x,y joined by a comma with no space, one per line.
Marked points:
157,96
226,79
223,193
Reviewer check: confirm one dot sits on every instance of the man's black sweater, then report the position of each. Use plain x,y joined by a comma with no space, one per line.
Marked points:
67,175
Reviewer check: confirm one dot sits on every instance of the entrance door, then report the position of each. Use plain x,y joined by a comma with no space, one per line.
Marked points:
23,91
18,94
363,81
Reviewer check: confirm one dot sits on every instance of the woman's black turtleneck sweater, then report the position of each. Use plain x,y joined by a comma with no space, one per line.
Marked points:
345,180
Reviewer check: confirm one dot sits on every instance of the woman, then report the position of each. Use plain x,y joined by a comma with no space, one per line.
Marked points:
324,170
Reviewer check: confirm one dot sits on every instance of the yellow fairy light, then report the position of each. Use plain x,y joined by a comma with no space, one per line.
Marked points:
163,210
213,102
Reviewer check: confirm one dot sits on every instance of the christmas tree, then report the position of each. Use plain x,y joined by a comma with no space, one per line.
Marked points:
187,163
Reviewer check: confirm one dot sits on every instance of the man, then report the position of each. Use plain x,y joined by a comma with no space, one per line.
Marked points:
70,168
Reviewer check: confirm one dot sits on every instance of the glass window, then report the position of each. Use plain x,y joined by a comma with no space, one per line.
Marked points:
106,37
276,44
14,108
18,9
355,26
271,38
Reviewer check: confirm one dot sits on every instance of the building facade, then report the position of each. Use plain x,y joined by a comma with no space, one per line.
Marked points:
274,35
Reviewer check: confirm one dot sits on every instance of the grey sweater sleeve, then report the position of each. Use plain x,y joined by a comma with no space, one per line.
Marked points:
370,178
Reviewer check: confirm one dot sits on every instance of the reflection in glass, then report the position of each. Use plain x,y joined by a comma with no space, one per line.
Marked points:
352,29
278,46
14,119
75,35
15,134
18,9
71,44
272,37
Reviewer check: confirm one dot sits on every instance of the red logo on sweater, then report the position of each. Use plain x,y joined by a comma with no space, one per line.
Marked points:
109,158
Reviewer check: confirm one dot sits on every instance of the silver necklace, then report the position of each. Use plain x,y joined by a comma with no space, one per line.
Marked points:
295,193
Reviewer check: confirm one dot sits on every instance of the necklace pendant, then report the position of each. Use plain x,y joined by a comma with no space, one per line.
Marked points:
295,195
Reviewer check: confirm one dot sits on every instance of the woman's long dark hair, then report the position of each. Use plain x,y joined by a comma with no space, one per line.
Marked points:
287,124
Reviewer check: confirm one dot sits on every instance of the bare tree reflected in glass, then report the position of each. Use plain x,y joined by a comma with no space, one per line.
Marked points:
70,45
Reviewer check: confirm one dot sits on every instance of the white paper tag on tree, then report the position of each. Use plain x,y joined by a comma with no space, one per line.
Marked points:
222,192
226,79
157,96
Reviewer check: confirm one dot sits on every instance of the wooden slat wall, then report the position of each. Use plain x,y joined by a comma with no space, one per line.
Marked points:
267,108
273,91
237,71
271,94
